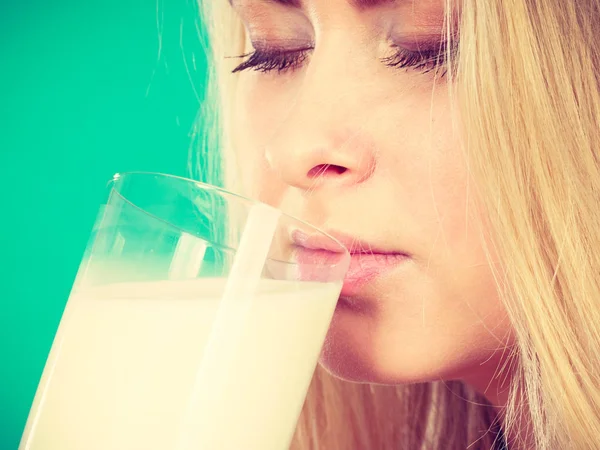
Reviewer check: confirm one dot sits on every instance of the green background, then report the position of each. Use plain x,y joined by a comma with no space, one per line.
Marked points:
86,90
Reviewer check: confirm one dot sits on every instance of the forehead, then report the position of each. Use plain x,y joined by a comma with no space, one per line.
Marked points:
423,15
358,4
423,7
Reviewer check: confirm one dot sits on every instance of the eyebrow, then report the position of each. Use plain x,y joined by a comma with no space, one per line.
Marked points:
358,4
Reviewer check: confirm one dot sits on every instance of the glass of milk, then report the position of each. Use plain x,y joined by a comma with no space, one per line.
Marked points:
192,324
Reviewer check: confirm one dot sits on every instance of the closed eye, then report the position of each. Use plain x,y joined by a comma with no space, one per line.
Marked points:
281,61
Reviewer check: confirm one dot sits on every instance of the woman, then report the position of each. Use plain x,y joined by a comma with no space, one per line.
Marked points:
462,136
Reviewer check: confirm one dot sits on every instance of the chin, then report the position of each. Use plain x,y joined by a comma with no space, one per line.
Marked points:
352,353
360,348
350,366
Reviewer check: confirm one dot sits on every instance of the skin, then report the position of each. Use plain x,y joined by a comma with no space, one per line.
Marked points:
392,173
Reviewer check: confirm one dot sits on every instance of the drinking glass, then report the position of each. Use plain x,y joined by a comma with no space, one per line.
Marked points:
195,322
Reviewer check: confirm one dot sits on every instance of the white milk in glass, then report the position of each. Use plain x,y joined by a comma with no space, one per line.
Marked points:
123,370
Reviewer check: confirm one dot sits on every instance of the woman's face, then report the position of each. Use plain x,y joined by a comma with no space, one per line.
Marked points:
336,123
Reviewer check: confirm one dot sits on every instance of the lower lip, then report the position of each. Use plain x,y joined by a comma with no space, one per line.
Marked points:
364,267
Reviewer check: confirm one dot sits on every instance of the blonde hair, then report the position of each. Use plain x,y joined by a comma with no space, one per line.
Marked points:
526,82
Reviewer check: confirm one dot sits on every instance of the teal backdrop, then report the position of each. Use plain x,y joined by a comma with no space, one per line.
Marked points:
87,89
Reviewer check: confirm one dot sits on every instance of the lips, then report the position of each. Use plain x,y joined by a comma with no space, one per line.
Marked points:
317,253
321,265
366,267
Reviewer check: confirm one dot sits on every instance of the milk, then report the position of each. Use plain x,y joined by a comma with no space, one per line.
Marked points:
124,370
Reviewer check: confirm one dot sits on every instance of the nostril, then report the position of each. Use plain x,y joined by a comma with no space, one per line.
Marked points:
326,169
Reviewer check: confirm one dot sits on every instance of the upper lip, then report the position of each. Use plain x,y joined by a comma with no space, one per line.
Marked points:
353,244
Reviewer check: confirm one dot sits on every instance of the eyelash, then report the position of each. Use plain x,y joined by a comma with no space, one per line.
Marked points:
270,60
288,60
423,61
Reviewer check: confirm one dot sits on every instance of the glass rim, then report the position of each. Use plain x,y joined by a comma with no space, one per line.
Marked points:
222,191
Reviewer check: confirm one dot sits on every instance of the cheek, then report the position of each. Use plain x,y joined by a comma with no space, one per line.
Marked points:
262,106
429,171
452,212
456,232
436,197
460,302
258,114
451,226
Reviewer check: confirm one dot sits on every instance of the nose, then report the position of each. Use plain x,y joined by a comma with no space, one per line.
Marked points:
318,156
323,140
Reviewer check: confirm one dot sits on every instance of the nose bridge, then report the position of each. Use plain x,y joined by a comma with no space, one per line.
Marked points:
338,73
323,136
